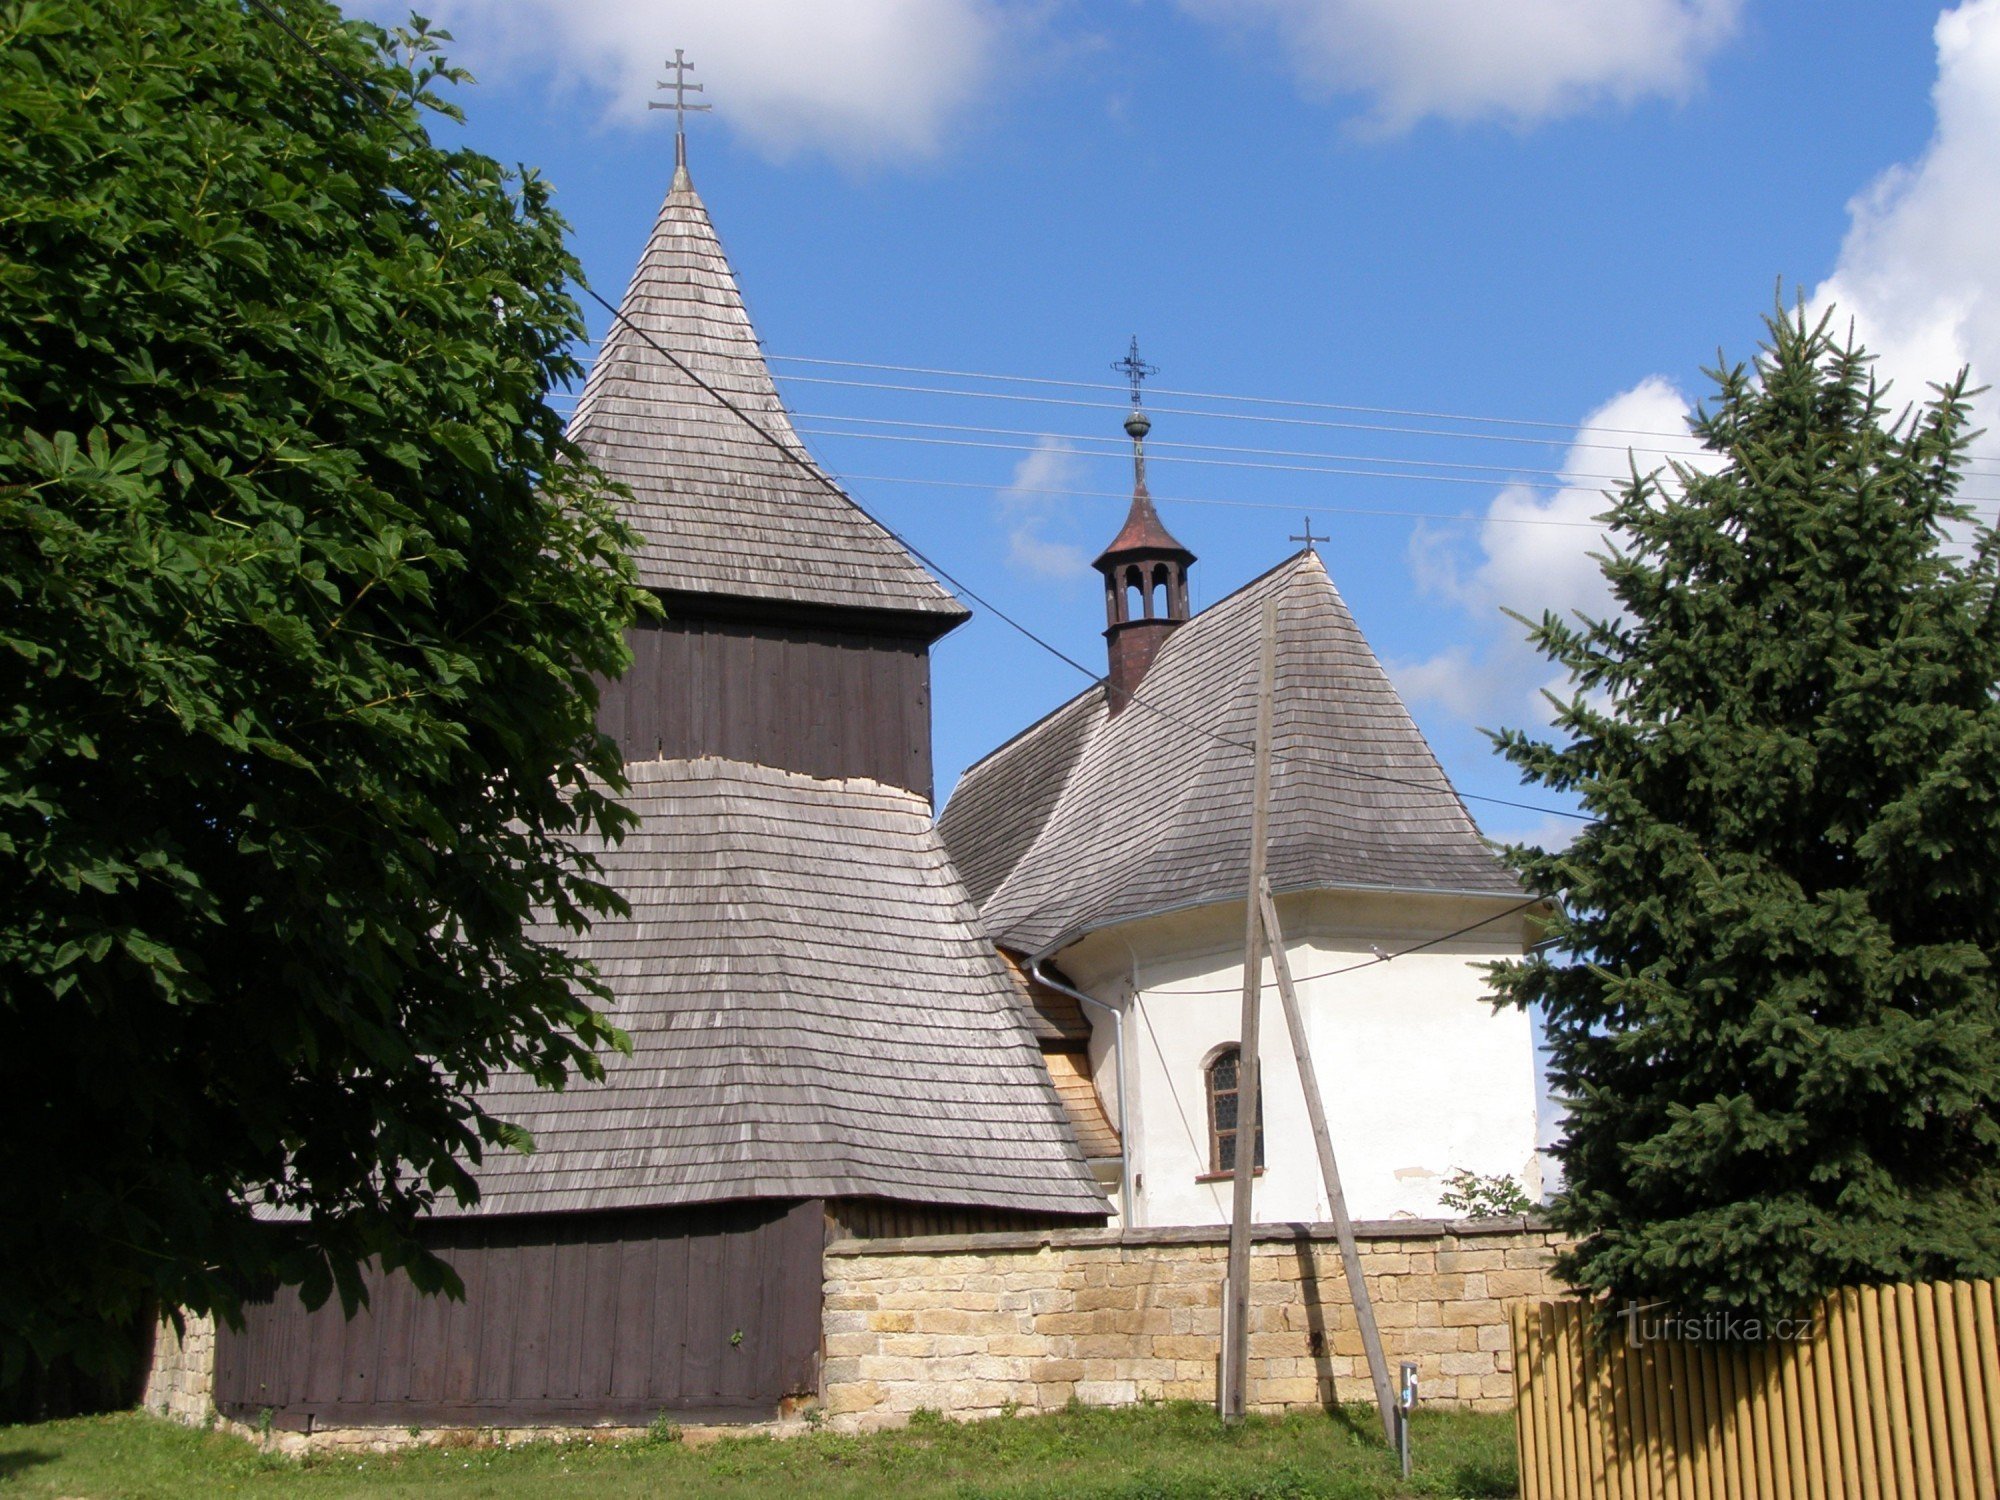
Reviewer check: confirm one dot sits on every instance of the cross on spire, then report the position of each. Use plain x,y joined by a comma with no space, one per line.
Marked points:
681,88
1134,368
1309,538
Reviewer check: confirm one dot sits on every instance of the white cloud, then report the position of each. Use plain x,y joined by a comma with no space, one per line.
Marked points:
868,80
1030,509
1919,271
1461,60
1534,555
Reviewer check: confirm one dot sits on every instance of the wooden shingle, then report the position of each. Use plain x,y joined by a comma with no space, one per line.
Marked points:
720,511
1088,819
813,1011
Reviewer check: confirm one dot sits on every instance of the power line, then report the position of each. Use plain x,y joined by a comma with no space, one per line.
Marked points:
1687,453
1333,471
1286,506
1228,416
1115,447
1384,958
806,467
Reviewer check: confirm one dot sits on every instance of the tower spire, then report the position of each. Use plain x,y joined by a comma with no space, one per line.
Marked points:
680,88
1144,568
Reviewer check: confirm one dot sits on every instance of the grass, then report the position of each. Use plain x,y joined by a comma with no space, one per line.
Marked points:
1170,1452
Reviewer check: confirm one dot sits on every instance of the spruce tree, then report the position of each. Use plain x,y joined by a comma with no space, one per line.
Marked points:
1770,989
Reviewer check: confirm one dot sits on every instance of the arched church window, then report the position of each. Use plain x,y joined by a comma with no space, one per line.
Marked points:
1224,1076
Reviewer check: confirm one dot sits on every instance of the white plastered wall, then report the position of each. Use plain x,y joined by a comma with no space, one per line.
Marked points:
1421,1075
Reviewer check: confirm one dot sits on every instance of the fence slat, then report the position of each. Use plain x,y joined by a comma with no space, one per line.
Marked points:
1975,1375
1908,1390
1951,1417
1895,1391
1797,1477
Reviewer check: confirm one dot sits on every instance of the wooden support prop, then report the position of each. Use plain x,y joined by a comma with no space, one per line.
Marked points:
1231,1391
1329,1169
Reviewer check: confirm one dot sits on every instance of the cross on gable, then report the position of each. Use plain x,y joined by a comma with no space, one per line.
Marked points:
1309,538
681,88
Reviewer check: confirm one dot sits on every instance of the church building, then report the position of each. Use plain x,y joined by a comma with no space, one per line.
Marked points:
1108,847
824,1043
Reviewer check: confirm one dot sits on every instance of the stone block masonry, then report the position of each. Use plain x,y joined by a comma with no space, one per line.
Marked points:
977,1325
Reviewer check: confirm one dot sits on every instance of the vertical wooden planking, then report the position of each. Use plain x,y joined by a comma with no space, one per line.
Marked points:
529,1377
1892,1433
1717,1419
667,1381
1976,1378
1651,1468
1807,1354
1756,1438
747,1263
1906,1388
1835,1383
497,1315
632,1322
1622,1447
1793,1441
1985,1294
325,1353
1554,1480
600,1312
357,1355
1687,1437
396,1307
1742,1424
461,1371
565,1382
705,1313
1869,1455
1526,1426
804,1284
1576,1444
1949,1416
1597,1389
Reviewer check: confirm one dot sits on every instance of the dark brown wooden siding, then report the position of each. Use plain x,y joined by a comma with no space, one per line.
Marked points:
709,1313
826,702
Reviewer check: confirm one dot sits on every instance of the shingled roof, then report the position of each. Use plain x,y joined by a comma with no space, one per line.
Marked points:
719,510
813,1013
1087,819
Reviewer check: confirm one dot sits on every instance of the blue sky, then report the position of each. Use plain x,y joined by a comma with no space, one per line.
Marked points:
1552,212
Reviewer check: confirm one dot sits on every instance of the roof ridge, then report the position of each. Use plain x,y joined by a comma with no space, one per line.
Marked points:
706,765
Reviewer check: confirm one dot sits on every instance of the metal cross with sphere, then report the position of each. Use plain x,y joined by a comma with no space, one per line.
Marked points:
1134,368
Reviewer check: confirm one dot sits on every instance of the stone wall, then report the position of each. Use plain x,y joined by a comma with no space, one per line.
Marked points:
975,1325
181,1382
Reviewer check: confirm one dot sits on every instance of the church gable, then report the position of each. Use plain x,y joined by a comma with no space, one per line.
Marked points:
1153,813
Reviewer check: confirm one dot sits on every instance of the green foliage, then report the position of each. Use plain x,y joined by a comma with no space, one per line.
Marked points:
1770,990
301,597
1473,1196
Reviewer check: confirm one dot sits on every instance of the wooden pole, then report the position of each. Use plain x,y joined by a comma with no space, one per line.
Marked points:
1329,1169
1232,1393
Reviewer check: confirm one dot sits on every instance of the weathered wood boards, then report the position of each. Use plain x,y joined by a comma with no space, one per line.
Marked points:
711,1312
1895,1392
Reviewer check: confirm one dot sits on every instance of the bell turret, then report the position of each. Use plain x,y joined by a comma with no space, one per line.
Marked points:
1145,574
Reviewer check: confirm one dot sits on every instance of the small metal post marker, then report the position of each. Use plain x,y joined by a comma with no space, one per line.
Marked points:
1406,1402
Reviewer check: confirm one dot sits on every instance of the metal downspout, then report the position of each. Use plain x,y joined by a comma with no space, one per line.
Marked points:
1126,1207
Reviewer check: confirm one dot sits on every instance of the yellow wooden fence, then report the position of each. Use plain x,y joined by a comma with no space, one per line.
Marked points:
1896,1392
